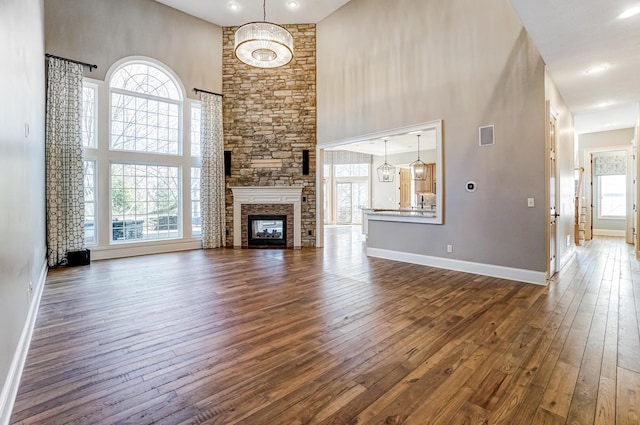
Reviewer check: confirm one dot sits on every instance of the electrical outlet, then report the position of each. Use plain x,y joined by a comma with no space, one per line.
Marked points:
531,202
449,248
310,233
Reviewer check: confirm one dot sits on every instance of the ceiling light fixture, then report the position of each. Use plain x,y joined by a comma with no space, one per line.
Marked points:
596,69
386,172
292,4
234,6
629,12
603,104
418,168
263,44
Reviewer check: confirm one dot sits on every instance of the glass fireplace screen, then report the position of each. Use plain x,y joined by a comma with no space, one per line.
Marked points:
271,228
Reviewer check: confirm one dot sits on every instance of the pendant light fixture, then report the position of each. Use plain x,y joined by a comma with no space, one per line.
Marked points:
386,172
263,44
418,168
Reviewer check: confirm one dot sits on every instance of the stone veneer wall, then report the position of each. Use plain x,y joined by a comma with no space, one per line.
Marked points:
270,114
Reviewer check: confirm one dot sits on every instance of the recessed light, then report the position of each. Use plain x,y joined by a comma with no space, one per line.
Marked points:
415,132
292,4
234,6
597,69
603,104
633,11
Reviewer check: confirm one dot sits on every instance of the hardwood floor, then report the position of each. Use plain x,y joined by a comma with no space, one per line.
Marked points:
329,336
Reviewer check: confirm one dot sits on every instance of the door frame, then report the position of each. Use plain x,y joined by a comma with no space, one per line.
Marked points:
550,113
588,183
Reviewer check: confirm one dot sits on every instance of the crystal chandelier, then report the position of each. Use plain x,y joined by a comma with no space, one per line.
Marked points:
386,172
263,44
418,168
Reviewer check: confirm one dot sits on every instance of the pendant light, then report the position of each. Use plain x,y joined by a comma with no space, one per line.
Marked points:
263,44
386,172
418,168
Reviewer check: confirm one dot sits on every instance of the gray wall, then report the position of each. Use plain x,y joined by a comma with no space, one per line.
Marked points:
22,233
102,32
384,65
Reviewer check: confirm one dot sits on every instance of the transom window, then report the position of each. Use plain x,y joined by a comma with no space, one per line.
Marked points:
145,110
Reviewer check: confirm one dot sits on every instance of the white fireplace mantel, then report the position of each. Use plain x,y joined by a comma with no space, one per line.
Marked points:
267,195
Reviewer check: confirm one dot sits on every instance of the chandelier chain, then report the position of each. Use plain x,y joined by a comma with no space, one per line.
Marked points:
264,10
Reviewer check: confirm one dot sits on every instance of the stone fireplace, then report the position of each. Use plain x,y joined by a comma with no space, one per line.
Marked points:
268,202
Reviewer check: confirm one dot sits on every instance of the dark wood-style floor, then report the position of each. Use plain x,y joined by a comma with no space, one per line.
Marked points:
329,336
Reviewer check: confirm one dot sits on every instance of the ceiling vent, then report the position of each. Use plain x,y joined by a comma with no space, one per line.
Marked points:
486,135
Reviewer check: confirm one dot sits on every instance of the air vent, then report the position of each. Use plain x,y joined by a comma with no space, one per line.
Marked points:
486,135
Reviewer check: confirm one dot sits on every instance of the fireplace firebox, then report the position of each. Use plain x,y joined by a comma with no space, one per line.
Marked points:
267,231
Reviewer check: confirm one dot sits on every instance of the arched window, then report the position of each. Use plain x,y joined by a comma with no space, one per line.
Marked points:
141,174
146,106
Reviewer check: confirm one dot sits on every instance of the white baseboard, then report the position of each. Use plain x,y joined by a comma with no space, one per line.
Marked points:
10,387
520,275
606,232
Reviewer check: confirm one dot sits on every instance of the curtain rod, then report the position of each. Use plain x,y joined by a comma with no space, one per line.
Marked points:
205,91
89,65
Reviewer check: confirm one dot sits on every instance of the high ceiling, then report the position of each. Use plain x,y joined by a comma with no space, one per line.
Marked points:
229,13
571,35
576,35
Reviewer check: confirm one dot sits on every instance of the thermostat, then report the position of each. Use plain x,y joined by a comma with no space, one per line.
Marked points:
471,186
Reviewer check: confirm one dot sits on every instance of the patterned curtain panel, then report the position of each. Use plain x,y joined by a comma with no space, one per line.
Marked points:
346,157
212,174
63,158
614,164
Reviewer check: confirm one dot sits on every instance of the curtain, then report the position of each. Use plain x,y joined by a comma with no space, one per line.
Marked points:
346,157
610,164
212,183
63,161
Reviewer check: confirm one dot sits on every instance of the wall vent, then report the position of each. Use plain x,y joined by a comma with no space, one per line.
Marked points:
486,135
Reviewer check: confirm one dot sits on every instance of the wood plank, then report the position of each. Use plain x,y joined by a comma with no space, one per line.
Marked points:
330,336
628,397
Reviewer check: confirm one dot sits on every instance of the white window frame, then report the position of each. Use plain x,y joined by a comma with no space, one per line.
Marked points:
602,216
105,156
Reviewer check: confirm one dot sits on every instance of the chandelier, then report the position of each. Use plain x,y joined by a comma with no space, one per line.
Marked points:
386,172
418,168
263,44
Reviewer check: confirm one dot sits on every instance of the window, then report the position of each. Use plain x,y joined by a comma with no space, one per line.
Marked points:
196,111
145,110
89,167
196,217
144,202
612,196
145,119
89,115
141,181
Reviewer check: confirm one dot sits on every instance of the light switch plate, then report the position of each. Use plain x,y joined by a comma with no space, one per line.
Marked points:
531,202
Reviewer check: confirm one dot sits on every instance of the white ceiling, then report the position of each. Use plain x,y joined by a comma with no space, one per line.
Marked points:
571,35
220,13
575,35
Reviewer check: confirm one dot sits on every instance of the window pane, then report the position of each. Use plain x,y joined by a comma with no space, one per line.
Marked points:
613,199
196,217
144,202
89,168
89,116
351,170
196,111
138,125
145,79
